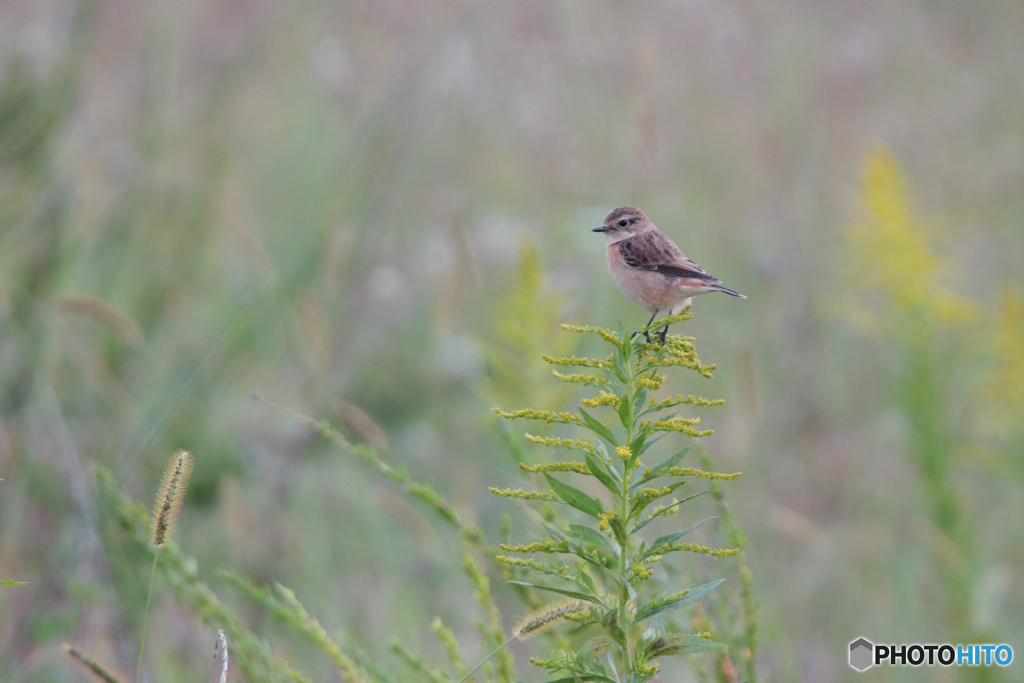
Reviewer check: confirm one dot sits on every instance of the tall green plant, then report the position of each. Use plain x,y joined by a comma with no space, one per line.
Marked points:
924,317
605,565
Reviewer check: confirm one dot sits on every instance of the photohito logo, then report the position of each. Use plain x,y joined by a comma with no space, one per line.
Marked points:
864,654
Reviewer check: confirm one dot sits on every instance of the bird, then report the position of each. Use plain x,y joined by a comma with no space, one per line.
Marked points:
650,269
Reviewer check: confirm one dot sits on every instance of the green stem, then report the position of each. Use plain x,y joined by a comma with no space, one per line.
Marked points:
627,654
487,659
145,620
627,660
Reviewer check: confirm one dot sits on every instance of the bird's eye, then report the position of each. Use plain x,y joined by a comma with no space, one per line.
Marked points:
624,223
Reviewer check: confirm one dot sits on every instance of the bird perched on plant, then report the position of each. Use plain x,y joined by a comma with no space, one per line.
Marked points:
650,269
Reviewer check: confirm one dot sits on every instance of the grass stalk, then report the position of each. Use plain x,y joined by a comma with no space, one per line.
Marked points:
145,619
488,658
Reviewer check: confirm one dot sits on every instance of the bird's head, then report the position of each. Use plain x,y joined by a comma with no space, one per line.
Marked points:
622,223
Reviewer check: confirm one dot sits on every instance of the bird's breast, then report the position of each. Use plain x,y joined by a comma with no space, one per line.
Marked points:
649,290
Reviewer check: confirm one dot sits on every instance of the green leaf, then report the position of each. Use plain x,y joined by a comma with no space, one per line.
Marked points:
654,630
625,411
584,577
672,538
11,582
625,341
584,534
599,471
618,367
636,474
575,497
641,504
596,646
554,532
648,444
609,659
598,427
644,522
582,676
591,536
673,461
637,446
695,595
593,558
562,591
681,644
639,396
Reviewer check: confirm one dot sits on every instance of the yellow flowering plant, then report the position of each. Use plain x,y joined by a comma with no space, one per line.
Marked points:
603,565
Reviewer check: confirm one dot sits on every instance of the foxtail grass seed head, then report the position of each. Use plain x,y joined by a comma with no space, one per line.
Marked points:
548,616
170,497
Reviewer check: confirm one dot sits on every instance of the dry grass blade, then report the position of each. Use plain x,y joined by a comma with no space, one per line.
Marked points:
103,311
220,648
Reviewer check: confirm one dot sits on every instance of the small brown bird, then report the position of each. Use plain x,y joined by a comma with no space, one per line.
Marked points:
650,269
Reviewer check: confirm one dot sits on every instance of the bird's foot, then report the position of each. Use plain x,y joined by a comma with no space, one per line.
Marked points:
647,335
664,334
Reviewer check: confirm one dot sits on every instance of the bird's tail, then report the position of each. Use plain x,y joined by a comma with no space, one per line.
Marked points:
720,288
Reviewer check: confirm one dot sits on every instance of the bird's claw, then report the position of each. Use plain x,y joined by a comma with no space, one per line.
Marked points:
647,335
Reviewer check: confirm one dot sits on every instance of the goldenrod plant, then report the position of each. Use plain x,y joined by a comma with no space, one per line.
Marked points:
1003,395
732,616
524,326
605,565
918,310
919,306
927,321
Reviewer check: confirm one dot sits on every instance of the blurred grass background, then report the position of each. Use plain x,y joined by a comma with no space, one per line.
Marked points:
378,212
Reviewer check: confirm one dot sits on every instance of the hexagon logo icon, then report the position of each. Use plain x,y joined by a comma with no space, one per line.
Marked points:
861,654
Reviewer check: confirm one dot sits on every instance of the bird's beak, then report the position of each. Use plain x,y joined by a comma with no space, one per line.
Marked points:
600,229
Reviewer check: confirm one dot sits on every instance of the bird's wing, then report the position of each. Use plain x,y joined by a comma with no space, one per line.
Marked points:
653,250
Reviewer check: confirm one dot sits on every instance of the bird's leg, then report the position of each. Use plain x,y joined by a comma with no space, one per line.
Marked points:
647,333
664,333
